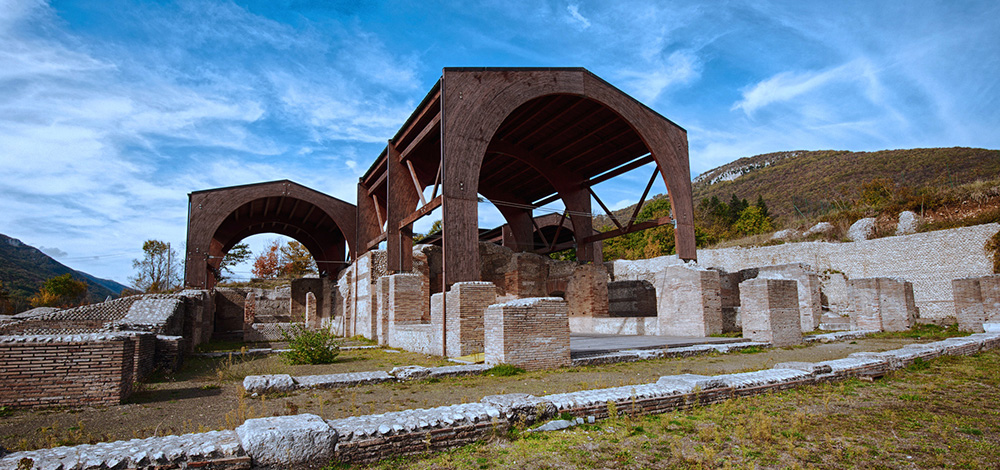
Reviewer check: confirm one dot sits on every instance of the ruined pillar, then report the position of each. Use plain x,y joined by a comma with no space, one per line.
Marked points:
769,309
977,301
810,299
249,314
406,302
689,301
530,333
881,304
465,305
437,324
381,324
587,291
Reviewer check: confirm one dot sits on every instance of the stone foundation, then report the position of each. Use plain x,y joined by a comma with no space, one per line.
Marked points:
770,311
528,333
881,304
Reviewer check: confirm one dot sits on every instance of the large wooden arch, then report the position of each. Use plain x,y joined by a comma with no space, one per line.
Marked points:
536,134
219,218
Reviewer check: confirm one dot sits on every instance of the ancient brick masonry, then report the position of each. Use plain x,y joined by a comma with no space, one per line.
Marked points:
881,304
72,370
466,303
531,333
977,301
770,311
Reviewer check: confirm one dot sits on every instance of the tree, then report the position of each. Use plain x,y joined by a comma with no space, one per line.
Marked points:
752,222
5,307
762,206
60,291
237,254
296,260
267,265
158,270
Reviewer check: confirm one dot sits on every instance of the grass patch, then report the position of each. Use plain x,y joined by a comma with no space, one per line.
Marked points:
851,424
504,370
923,331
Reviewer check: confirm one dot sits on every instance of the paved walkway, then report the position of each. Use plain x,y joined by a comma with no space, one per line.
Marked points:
585,344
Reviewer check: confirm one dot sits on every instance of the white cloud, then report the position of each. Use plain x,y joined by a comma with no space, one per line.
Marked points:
679,68
576,17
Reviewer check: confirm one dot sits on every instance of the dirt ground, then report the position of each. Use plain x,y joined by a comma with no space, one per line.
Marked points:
207,393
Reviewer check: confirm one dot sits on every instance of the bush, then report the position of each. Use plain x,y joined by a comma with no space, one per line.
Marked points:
310,346
504,370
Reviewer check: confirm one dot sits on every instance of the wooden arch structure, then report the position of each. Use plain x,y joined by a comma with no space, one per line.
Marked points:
520,137
219,218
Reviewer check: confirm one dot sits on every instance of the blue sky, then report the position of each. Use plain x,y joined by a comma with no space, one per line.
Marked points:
111,112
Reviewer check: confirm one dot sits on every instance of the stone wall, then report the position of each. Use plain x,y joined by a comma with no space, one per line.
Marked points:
929,260
810,299
72,370
529,333
465,304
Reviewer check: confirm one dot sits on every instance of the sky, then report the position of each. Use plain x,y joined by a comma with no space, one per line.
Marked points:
111,112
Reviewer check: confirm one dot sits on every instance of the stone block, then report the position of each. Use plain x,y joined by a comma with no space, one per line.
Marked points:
810,299
406,303
689,302
977,301
530,333
770,311
297,441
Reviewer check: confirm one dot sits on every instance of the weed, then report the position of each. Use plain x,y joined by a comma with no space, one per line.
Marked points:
504,370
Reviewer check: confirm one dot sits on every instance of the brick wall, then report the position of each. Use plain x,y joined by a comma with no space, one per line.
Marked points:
631,299
70,370
587,291
810,300
529,333
406,305
769,309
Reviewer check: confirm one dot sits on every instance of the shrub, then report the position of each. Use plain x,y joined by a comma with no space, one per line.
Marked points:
310,346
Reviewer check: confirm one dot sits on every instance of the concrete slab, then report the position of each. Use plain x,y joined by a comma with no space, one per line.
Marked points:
582,345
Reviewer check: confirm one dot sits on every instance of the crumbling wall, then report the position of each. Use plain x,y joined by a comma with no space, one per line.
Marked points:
631,299
530,333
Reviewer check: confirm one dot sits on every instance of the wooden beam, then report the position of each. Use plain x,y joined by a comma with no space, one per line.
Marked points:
642,199
635,228
622,169
437,182
423,113
379,181
606,210
430,127
545,240
378,214
555,237
416,183
422,211
308,213
375,241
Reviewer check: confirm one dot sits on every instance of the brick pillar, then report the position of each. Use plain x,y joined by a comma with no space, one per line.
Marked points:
881,304
466,303
587,291
688,301
249,313
531,333
437,326
769,309
381,323
406,301
989,287
810,299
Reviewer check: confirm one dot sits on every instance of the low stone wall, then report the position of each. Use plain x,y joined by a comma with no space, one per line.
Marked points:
530,333
73,370
305,440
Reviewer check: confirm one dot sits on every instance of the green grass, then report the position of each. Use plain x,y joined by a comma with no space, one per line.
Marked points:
923,331
504,370
944,415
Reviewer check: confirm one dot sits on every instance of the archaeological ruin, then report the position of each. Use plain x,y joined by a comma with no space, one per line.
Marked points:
520,139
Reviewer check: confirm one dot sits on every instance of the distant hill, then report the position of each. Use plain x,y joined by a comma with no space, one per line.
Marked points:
809,183
24,268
